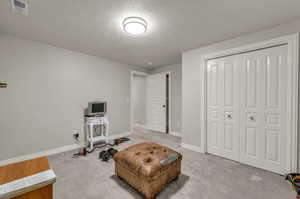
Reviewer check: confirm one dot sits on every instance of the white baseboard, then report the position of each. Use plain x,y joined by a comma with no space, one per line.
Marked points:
126,134
140,125
192,147
40,154
178,134
54,151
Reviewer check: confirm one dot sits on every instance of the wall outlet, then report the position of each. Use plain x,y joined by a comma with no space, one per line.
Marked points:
20,6
76,134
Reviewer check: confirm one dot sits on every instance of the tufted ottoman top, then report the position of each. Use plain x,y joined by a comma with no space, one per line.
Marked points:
144,158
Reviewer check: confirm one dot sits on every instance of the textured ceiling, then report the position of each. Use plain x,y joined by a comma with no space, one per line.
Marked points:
94,26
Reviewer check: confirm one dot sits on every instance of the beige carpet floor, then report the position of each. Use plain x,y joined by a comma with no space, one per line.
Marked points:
203,176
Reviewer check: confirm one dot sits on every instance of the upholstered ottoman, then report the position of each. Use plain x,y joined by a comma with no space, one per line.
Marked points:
148,167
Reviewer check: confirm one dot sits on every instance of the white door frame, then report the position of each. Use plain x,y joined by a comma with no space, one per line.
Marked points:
292,127
132,74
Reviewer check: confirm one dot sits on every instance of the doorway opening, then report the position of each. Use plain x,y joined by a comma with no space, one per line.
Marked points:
167,103
138,99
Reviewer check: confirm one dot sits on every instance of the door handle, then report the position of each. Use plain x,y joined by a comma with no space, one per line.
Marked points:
164,106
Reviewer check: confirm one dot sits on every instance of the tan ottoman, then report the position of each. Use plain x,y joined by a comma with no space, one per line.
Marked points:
148,167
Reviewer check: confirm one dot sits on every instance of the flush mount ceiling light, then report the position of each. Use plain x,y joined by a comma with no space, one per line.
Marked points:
134,25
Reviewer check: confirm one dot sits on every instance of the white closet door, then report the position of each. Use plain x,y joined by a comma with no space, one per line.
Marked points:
223,107
263,108
156,102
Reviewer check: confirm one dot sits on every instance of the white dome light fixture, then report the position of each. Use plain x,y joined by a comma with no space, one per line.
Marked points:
135,25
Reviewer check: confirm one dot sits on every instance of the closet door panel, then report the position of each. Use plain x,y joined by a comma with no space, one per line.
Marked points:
222,107
265,78
214,107
249,109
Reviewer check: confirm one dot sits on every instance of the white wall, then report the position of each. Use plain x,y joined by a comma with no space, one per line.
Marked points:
48,88
175,88
193,79
139,99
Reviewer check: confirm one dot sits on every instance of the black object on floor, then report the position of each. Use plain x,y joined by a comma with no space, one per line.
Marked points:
112,152
106,155
116,142
120,140
294,178
82,152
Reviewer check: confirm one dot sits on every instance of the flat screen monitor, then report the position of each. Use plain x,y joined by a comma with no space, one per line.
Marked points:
97,108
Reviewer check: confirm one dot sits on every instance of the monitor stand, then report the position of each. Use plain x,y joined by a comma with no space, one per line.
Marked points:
103,123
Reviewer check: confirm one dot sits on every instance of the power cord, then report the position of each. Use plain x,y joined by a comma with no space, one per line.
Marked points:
101,146
85,151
